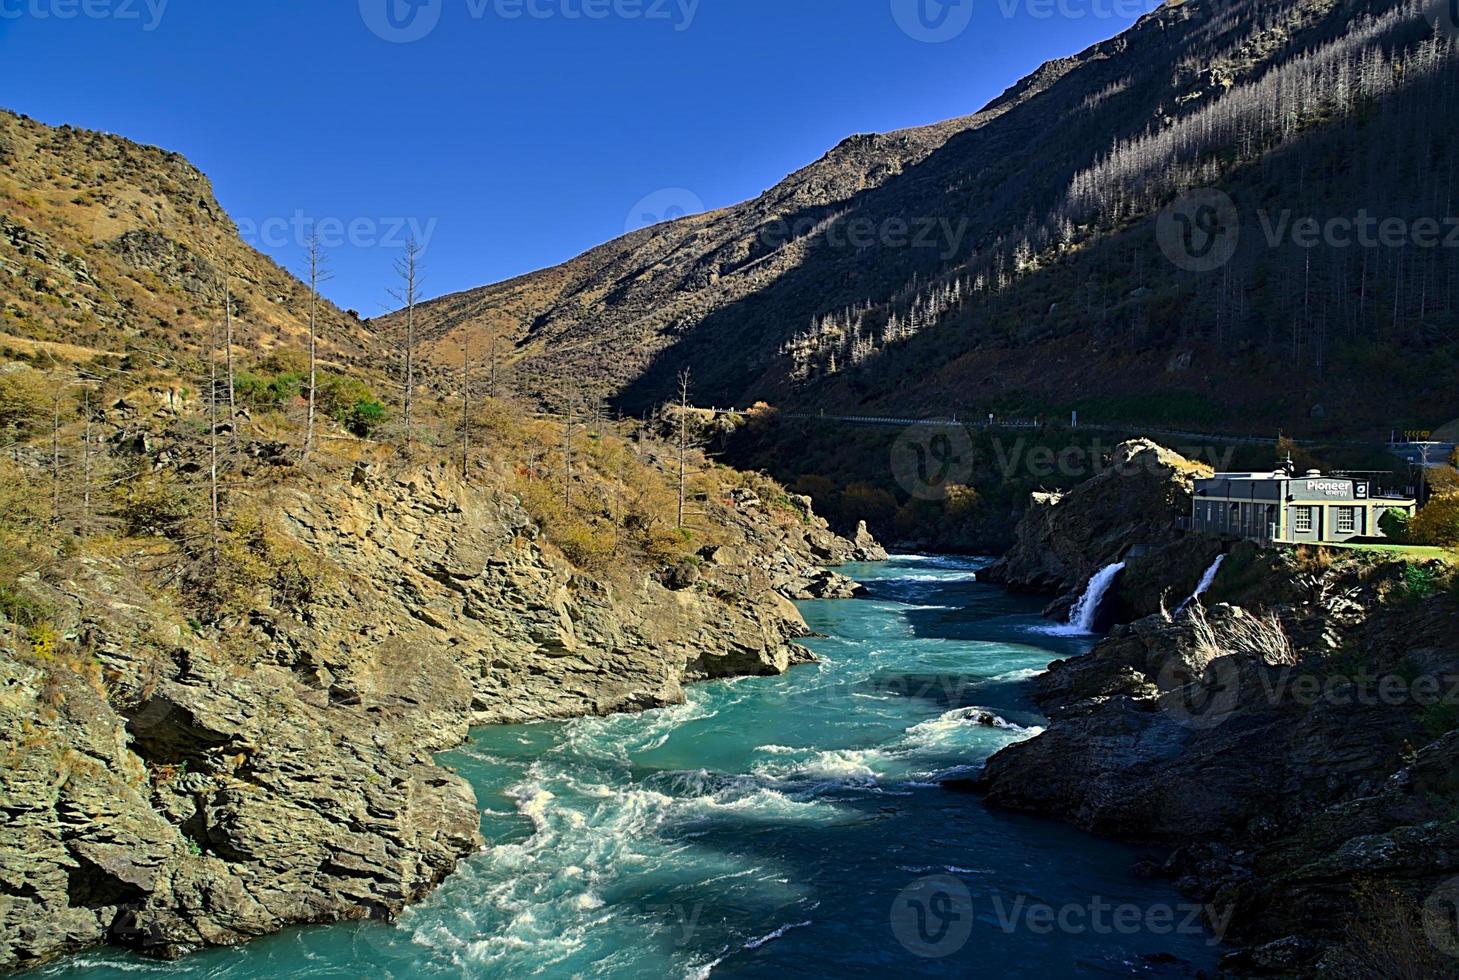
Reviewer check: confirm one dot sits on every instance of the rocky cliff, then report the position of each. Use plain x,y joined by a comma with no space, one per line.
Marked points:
170,784
1295,752
1130,511
233,629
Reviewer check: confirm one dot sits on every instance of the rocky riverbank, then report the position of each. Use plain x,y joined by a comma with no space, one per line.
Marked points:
170,785
1294,748
1130,511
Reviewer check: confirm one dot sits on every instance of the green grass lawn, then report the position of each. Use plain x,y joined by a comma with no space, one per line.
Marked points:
1420,551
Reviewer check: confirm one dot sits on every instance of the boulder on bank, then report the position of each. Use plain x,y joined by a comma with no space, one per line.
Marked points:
819,584
867,547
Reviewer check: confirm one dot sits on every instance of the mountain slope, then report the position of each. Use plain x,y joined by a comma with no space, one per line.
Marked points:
1009,259
231,639
116,245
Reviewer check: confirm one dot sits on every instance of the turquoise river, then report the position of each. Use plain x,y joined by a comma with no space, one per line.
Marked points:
785,827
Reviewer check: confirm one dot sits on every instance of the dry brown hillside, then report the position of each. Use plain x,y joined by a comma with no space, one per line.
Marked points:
606,314
108,243
1009,261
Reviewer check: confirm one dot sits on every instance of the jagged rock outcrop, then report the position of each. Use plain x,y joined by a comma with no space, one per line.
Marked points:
867,547
1294,784
530,636
167,787
171,793
1132,507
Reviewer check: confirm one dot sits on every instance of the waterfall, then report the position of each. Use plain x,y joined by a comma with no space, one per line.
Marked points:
1207,580
1085,614
1086,611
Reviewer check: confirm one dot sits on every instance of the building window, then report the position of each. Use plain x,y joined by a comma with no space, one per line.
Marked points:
1347,520
1302,520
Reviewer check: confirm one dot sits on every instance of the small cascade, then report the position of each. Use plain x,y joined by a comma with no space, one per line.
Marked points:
1207,580
1085,615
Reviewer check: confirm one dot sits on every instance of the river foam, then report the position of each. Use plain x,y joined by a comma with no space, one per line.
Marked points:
763,827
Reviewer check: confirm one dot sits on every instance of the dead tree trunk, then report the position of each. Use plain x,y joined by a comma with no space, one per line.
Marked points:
683,441
466,409
408,268
228,340
317,274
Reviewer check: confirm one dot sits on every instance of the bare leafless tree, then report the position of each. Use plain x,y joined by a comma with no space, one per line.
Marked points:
408,294
228,349
466,408
56,455
317,273
683,440
569,431
86,466
213,435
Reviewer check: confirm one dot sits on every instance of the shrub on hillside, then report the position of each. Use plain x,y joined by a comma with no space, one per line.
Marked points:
865,502
961,502
1394,524
265,392
351,403
155,503
25,398
365,417
1419,582
254,559
582,540
1438,522
280,381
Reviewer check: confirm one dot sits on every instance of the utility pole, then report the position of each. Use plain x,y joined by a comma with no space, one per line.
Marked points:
1424,448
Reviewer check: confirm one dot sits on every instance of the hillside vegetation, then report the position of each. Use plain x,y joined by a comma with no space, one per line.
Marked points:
245,594
1009,260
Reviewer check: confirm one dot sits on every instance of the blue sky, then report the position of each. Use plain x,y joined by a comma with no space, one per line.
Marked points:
510,134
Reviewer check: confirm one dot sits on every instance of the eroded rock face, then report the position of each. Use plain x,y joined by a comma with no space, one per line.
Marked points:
1133,506
1291,794
473,592
169,795
172,789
